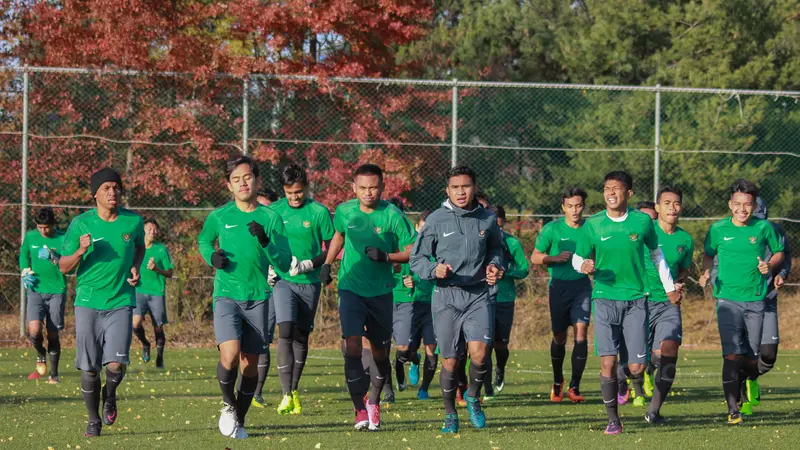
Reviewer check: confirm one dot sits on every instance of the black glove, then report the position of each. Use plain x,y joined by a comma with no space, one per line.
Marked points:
376,254
257,230
219,260
325,274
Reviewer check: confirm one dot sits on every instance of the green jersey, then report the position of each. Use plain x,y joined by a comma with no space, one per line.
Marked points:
423,289
738,249
677,248
557,237
306,227
401,293
106,266
618,246
386,228
49,279
517,269
152,283
245,276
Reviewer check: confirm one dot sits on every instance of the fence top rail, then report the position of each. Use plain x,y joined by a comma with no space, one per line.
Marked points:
408,81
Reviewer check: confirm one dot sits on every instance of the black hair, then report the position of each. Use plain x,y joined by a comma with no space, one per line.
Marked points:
398,202
573,192
153,221
745,187
45,216
498,211
646,204
369,169
237,161
461,170
424,214
669,190
480,195
621,176
269,194
292,174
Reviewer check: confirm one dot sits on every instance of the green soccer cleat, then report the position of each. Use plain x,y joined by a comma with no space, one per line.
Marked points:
735,418
753,392
476,414
746,409
489,398
257,401
298,407
450,424
287,405
649,386
639,401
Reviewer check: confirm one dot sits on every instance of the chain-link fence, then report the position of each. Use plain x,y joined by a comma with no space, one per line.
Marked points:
169,135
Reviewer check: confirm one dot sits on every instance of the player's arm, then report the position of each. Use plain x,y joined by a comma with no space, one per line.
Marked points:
658,260
327,232
207,238
400,257
519,269
494,247
542,247
24,254
75,246
582,260
709,252
786,267
776,246
320,259
336,245
420,260
166,265
278,251
138,255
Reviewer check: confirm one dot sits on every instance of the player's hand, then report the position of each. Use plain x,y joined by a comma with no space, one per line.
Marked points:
492,274
299,267
703,281
43,253
408,282
675,297
85,242
151,265
561,258
588,266
272,277
762,266
443,271
679,287
134,279
54,257
376,254
28,278
779,281
219,260
325,274
257,230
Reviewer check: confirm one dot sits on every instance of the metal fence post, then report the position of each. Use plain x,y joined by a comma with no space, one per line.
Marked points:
657,148
24,195
454,138
245,86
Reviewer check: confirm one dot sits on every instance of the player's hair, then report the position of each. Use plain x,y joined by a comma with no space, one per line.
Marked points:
498,211
424,214
645,204
480,195
269,194
398,202
237,161
292,174
621,176
573,192
669,190
369,169
153,221
745,187
461,170
45,216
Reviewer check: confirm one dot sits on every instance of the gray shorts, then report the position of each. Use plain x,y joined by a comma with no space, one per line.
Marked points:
740,326
503,320
296,303
271,322
245,322
665,323
48,308
422,325
570,303
367,316
401,322
620,327
156,305
102,337
769,331
461,314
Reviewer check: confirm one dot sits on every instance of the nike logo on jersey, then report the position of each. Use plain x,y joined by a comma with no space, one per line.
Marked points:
449,234
98,239
727,238
230,226
351,226
564,239
34,246
605,238
285,221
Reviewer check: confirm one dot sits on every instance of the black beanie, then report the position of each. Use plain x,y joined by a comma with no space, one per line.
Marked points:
102,176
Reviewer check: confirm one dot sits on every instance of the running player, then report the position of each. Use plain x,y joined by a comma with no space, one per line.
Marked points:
150,293
375,235
617,237
106,245
740,242
648,207
570,292
250,238
296,295
467,250
665,317
45,290
422,327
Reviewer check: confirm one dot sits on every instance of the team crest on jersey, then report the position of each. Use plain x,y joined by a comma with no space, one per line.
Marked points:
378,230
681,249
634,237
482,232
307,223
126,237
752,239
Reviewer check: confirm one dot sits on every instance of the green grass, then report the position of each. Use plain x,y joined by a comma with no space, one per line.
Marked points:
178,408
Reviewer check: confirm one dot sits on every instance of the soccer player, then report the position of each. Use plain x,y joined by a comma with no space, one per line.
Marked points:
45,290
740,242
266,197
375,235
422,327
150,293
570,292
106,245
467,250
617,237
517,264
648,208
665,316
250,238
296,295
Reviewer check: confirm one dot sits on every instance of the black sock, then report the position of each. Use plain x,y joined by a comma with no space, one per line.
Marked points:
488,390
113,380
477,373
413,357
428,372
355,375
400,359
768,354
461,374
502,355
449,383
637,381
300,350
388,388
579,355
139,333
245,396
262,369
285,364
381,374
227,383
37,344
90,388
54,350
557,353
730,382
609,389
161,340
664,378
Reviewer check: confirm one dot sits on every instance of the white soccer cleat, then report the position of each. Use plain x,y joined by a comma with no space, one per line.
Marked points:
227,420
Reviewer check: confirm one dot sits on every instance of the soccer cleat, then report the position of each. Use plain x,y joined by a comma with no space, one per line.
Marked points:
746,409
34,375
160,363
489,398
623,398
648,385
460,398
227,420
654,419
298,407
258,401
109,409
41,368
145,354
450,424
476,414
556,393
388,399
374,415
574,394
53,380
240,432
614,428
401,387
753,392
639,401
93,429
735,418
413,373
422,395
499,381
362,418
287,405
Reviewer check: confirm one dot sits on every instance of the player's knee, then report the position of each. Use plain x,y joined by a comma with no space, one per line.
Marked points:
636,370
115,367
401,348
285,330
430,349
351,346
560,338
299,335
402,356
769,353
137,321
449,364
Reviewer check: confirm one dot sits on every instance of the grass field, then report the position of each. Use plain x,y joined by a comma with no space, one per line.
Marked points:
178,408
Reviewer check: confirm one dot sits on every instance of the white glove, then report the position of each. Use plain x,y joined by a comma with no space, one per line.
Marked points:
300,267
272,277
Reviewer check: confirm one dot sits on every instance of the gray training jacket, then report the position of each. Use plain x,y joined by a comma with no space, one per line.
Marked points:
466,240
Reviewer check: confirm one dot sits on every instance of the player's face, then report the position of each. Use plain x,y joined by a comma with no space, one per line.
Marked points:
573,208
45,230
500,222
742,206
669,208
368,190
461,191
616,194
650,212
295,195
243,183
109,195
150,232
